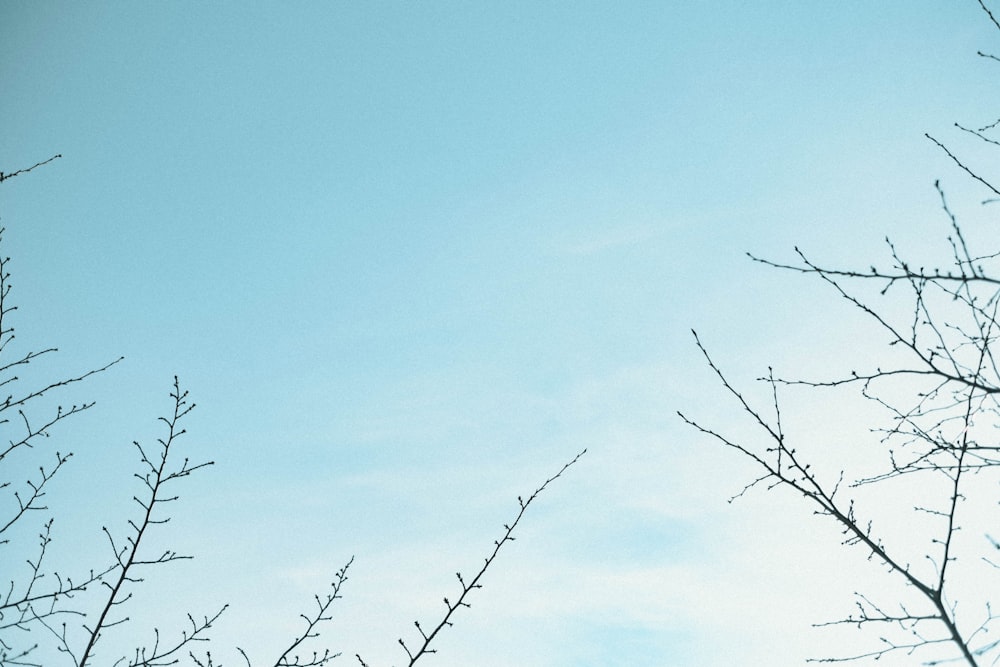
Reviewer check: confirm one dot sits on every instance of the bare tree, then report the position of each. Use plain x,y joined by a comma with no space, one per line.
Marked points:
938,390
48,614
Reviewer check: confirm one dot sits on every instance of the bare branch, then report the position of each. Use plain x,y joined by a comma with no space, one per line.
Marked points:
466,587
4,177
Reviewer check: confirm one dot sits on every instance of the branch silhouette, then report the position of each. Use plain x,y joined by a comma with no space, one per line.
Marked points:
466,587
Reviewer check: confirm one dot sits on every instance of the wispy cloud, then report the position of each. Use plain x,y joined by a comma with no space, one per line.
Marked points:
603,240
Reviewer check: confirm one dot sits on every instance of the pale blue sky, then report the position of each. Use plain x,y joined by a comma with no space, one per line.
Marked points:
411,257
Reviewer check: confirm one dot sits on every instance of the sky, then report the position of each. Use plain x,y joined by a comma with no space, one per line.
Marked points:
411,258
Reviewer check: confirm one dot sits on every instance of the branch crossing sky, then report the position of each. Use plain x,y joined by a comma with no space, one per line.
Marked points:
410,258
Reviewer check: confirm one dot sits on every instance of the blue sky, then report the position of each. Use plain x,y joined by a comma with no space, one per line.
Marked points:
409,258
